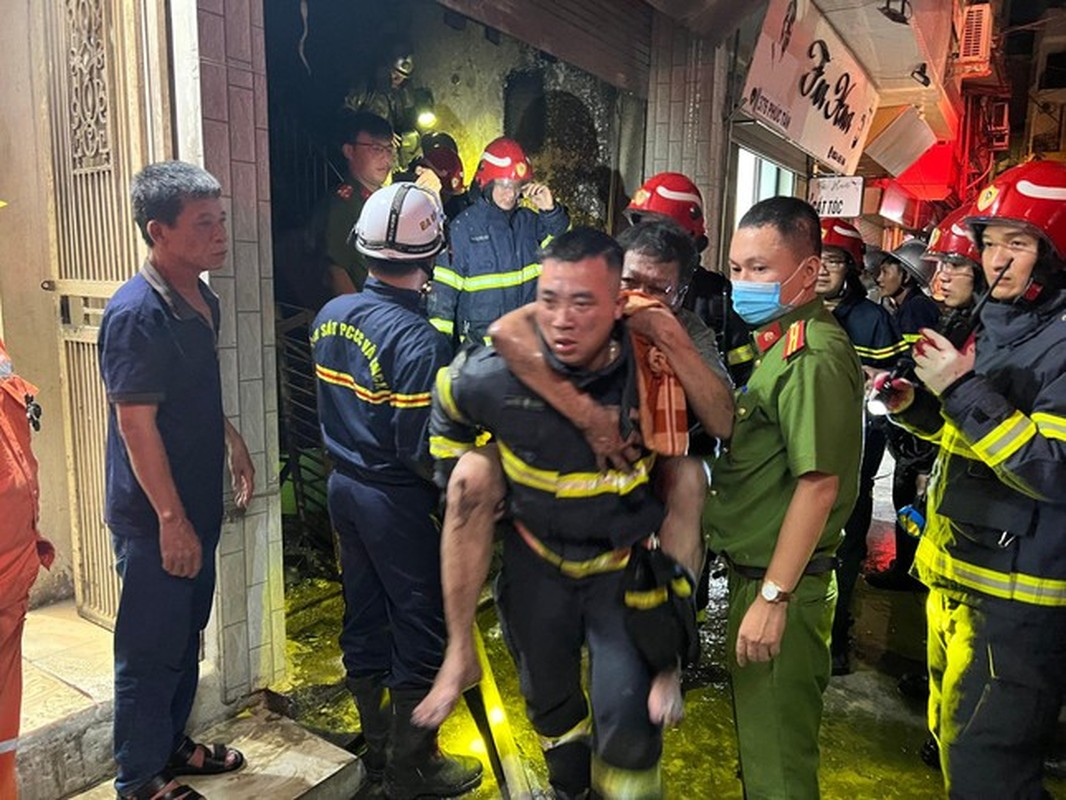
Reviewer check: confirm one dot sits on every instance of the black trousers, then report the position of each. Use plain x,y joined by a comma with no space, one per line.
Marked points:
547,618
996,683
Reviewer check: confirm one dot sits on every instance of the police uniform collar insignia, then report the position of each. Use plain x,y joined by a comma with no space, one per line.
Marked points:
768,336
345,191
795,338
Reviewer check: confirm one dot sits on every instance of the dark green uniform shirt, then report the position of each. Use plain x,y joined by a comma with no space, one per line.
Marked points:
801,411
335,218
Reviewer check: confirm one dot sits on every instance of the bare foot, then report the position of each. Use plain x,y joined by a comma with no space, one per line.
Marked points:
459,671
666,707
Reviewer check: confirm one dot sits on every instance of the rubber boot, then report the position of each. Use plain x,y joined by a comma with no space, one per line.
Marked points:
569,770
375,717
416,765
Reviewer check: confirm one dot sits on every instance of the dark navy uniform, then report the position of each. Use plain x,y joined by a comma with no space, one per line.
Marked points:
878,343
708,297
561,584
375,359
993,553
493,267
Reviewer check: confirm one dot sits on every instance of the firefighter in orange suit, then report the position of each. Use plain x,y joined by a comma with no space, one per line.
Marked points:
22,551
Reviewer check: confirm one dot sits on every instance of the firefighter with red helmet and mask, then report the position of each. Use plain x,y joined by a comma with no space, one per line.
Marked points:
877,341
673,195
992,553
494,243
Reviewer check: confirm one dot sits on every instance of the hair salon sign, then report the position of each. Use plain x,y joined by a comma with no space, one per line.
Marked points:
805,84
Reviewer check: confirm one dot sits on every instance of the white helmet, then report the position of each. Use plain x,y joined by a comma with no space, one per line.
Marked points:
400,222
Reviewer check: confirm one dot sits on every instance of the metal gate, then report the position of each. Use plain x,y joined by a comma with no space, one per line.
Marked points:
107,116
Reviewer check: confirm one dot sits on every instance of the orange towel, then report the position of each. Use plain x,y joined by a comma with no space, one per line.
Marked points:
663,411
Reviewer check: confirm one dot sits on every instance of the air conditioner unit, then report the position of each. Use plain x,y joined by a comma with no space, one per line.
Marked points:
975,41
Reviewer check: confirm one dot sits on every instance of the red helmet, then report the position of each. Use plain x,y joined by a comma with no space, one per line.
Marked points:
951,240
670,194
449,168
503,159
1032,195
838,233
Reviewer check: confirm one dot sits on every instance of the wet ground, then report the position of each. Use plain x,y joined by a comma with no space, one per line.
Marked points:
870,734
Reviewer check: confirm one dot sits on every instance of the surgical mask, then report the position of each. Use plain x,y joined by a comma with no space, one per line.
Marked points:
757,302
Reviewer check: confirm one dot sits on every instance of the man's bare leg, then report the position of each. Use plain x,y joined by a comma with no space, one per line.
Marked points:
684,488
475,492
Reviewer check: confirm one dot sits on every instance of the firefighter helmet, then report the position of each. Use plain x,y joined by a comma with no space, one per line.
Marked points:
400,222
670,194
449,168
434,139
909,256
951,240
844,235
1031,195
503,159
403,64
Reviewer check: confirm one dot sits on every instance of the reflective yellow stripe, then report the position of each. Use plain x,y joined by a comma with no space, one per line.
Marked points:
445,326
444,395
448,278
738,355
501,280
575,484
1051,426
443,447
1007,585
580,732
1005,439
609,561
911,338
881,352
626,784
379,397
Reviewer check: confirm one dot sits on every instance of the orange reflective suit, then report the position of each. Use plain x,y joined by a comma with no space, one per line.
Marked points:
22,551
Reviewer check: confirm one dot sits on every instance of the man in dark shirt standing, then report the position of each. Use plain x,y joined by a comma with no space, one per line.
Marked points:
166,444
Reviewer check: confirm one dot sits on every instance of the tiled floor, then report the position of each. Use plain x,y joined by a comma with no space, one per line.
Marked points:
66,663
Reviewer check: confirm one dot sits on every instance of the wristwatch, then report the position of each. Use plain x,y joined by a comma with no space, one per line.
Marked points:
772,593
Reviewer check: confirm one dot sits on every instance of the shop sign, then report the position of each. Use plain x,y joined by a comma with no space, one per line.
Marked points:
806,85
836,197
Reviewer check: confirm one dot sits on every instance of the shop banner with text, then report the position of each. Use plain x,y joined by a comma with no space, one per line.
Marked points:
805,84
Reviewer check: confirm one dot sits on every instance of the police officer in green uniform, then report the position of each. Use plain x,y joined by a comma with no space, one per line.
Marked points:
781,493
369,152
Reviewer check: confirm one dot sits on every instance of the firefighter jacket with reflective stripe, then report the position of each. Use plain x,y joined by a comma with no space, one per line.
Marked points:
997,500
556,489
917,311
872,331
376,356
493,267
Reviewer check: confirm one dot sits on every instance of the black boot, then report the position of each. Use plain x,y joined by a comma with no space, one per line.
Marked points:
569,770
416,765
375,718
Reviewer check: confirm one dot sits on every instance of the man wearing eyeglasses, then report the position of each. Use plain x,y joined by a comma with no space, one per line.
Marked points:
369,152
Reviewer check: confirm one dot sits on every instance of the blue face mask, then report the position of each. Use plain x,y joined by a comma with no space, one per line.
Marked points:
756,302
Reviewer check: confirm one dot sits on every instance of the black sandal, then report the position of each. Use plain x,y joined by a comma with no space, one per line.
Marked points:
214,759
152,789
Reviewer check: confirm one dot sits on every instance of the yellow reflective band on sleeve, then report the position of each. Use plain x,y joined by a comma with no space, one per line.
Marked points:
1005,439
575,484
952,440
501,280
626,784
443,447
1007,585
739,355
579,733
1051,426
378,397
911,338
881,352
445,326
448,277
444,395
